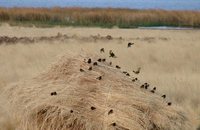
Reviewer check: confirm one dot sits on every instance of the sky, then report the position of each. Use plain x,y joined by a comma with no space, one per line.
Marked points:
137,4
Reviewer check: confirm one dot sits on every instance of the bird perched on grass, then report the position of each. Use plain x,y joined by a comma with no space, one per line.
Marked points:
142,86
118,67
124,72
152,91
163,96
135,79
102,50
99,60
99,78
93,108
110,112
53,93
169,103
89,61
112,54
90,68
146,85
103,60
95,63
137,71
130,44
114,124
81,70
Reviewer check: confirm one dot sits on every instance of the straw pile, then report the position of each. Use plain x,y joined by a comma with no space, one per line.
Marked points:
64,98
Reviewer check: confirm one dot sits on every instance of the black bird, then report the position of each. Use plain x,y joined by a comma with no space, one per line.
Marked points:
152,91
99,60
154,88
164,96
102,50
118,67
103,60
95,63
130,44
127,74
146,86
93,108
142,86
169,103
110,63
53,93
71,111
99,78
135,79
113,124
90,68
124,72
89,61
111,54
110,112
81,70
137,71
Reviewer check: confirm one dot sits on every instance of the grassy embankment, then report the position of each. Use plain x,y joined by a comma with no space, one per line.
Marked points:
123,18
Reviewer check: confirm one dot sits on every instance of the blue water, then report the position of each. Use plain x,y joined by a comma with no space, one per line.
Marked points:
133,4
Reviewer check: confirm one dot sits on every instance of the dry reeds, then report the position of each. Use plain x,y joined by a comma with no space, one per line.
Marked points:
100,17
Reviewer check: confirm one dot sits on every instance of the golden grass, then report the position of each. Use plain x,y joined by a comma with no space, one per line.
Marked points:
100,17
172,65
132,108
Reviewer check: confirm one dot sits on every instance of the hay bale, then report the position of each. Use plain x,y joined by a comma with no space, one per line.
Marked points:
77,92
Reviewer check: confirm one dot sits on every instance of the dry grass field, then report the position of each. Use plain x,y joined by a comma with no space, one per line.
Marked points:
169,59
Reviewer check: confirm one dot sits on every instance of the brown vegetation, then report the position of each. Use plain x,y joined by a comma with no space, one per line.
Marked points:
91,101
171,65
59,37
100,17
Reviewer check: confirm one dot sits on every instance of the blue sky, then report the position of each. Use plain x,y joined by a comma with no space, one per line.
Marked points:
163,4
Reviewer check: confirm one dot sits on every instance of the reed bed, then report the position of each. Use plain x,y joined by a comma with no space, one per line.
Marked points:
107,17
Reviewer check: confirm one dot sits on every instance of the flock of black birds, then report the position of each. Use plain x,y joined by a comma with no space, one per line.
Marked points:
112,55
